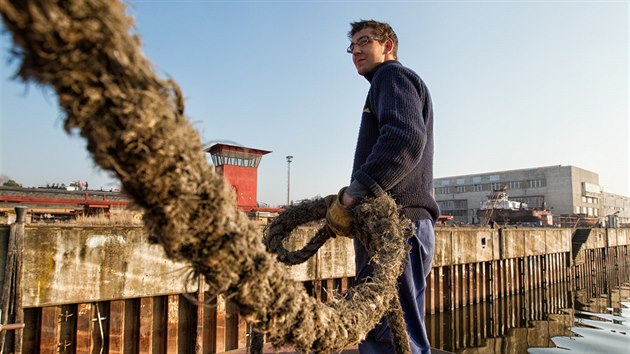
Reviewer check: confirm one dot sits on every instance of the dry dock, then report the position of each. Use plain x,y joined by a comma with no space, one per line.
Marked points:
87,288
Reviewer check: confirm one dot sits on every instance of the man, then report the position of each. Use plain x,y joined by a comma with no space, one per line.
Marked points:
394,155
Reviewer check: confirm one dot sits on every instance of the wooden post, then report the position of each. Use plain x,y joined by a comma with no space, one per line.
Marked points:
85,329
199,343
152,325
429,294
220,325
50,330
117,329
172,324
11,308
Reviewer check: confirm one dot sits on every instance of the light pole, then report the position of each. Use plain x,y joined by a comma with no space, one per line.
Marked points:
289,159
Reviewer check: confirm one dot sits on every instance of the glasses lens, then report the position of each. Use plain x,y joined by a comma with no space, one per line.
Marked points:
360,42
363,41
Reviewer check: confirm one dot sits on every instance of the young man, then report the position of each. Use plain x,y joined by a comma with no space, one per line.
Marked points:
394,155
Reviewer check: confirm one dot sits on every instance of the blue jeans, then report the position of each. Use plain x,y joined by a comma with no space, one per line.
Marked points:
411,287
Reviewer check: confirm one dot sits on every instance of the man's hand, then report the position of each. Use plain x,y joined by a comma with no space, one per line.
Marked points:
338,218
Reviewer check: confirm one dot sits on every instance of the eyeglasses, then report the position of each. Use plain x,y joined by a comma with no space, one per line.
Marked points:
360,42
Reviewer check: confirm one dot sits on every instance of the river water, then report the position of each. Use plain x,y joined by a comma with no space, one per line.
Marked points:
585,316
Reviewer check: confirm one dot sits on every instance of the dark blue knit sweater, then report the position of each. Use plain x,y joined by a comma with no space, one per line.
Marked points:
394,152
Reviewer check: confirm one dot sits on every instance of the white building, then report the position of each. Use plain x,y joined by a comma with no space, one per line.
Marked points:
564,190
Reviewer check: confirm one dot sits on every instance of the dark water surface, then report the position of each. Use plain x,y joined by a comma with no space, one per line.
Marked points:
584,316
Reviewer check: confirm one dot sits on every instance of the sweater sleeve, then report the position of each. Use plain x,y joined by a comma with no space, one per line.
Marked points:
397,103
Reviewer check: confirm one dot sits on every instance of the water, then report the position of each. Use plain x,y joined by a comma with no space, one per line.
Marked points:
589,316
607,330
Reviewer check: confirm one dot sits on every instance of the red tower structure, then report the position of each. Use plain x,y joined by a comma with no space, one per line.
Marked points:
239,165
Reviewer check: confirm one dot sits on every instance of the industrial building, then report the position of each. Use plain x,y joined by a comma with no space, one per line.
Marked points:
566,191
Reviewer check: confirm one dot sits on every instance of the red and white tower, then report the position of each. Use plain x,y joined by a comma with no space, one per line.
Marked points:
239,165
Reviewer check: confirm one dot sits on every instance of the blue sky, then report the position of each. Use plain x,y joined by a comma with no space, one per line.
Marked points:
515,84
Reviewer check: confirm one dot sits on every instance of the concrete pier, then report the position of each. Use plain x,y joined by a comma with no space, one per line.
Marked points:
92,287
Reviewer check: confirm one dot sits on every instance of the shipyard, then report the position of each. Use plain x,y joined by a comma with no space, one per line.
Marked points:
314,177
113,273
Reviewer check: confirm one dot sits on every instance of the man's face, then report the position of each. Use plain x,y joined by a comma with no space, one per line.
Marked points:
368,56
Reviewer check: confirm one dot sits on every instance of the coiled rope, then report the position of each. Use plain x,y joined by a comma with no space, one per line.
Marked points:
279,231
134,126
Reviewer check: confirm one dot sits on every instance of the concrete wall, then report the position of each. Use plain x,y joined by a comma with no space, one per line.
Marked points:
457,245
333,260
66,264
81,264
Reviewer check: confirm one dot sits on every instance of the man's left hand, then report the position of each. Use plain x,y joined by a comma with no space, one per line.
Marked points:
338,218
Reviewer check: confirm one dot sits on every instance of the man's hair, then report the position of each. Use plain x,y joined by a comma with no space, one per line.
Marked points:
382,32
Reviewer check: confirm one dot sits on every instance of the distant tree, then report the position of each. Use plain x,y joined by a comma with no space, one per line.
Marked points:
4,178
11,183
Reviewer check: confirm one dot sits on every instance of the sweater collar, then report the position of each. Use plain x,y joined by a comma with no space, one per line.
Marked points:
369,76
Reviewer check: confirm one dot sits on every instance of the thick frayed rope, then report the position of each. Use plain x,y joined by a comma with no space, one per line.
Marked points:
134,126
308,211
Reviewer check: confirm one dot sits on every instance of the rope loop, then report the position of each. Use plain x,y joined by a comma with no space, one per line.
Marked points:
281,227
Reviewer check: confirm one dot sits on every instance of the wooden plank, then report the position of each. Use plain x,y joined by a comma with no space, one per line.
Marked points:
172,324
146,325
457,287
220,325
479,283
242,331
19,260
429,293
199,343
85,329
344,285
117,327
466,285
50,328
329,289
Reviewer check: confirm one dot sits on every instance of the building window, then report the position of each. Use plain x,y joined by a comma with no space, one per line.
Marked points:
460,189
460,181
515,185
446,205
536,183
443,182
477,188
441,190
476,179
494,178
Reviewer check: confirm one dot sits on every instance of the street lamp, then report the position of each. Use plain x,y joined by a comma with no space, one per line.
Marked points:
289,159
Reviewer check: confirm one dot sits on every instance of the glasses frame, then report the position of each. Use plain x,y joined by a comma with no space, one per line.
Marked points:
360,42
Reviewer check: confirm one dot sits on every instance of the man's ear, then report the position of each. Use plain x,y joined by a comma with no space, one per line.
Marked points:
389,46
